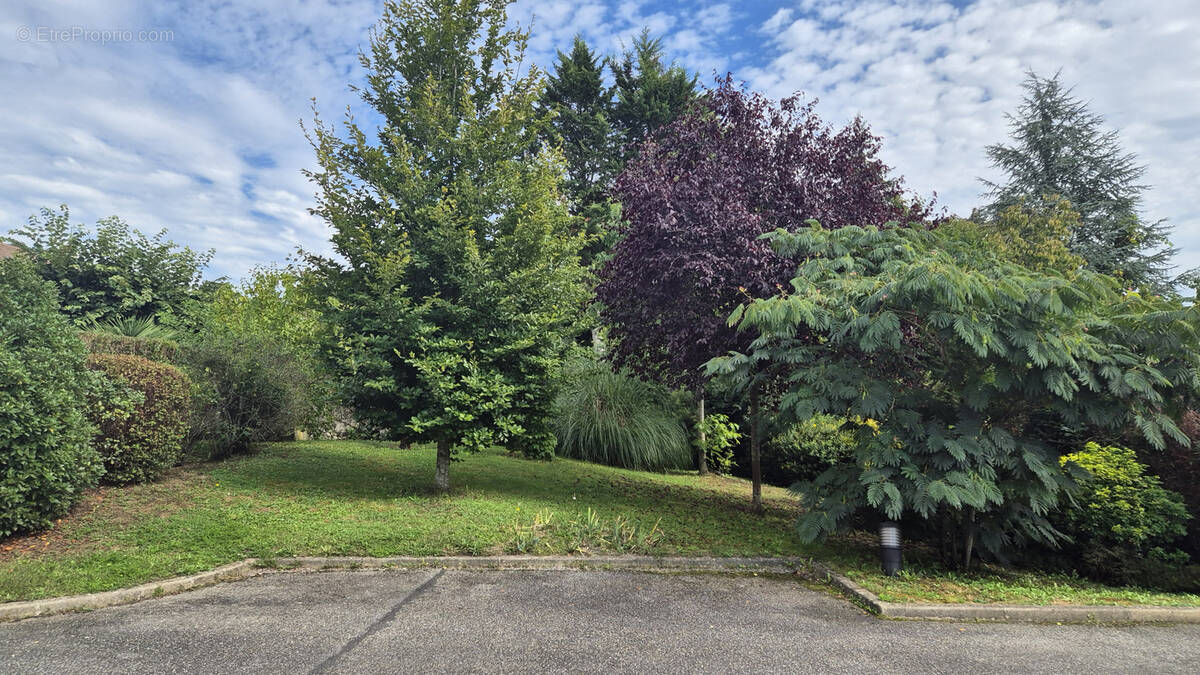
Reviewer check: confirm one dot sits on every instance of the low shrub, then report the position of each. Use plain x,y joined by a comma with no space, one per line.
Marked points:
155,349
721,437
46,456
248,389
803,450
142,428
615,419
1123,522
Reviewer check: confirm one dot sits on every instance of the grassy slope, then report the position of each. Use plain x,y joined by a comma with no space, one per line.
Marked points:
346,498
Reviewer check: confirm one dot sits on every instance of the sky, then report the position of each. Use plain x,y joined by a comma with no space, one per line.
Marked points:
186,114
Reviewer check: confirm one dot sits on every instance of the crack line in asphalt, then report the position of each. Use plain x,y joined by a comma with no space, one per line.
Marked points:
328,663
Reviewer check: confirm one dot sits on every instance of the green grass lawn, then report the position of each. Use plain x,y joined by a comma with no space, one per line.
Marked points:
331,498
925,580
349,498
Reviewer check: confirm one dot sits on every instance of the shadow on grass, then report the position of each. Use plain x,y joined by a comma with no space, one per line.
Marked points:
387,472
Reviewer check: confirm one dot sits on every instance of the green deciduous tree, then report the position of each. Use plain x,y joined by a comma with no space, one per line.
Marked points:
1059,147
459,279
115,272
946,353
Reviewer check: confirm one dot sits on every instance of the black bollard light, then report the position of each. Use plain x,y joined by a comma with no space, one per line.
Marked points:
889,547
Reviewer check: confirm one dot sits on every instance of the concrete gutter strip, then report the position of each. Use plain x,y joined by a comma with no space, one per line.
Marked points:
250,567
992,612
12,611
522,562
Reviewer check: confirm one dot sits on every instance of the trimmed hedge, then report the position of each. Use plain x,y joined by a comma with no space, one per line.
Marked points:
155,349
142,435
46,456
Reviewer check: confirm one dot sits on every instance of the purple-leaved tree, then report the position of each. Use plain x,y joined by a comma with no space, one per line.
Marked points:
696,199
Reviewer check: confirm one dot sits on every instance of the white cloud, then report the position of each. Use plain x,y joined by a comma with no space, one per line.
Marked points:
200,134
936,80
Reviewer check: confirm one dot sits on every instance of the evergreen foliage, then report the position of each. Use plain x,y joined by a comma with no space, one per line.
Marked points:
461,279
946,351
1060,148
142,436
46,456
650,93
155,349
582,125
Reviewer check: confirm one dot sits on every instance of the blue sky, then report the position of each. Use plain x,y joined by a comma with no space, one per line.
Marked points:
190,120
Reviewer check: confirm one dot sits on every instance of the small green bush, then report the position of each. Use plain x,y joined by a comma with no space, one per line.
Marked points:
46,457
141,432
612,418
721,436
1120,505
1124,524
247,389
155,349
803,450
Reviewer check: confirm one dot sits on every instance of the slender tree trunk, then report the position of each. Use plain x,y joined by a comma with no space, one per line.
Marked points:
970,542
702,448
441,478
755,453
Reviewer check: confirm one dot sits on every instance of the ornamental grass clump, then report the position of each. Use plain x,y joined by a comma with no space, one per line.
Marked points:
612,418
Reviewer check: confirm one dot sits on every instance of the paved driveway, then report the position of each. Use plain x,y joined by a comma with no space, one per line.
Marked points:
457,621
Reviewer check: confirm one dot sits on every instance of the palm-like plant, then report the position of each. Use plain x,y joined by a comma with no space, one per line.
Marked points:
136,327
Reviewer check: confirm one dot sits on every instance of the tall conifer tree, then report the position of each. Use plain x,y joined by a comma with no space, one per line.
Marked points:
649,92
1059,147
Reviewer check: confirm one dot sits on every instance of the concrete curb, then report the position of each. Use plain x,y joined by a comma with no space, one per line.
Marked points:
1023,613
14,611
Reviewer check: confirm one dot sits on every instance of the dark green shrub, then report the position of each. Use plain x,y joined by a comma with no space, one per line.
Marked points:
1179,469
46,457
141,435
155,349
1123,521
612,418
247,389
802,451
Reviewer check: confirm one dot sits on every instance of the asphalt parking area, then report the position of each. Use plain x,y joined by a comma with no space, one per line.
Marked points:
536,621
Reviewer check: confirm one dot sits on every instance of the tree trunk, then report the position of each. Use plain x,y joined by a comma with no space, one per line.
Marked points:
441,478
970,542
755,453
701,449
